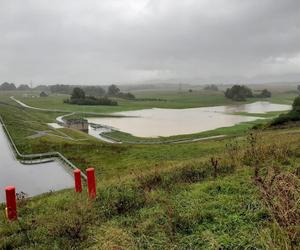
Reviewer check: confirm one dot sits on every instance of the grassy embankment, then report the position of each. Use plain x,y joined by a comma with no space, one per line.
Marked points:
161,196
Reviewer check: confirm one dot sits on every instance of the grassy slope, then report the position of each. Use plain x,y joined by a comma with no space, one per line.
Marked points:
176,209
177,214
205,215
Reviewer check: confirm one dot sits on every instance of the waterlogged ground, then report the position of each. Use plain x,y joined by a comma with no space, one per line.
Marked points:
169,122
30,179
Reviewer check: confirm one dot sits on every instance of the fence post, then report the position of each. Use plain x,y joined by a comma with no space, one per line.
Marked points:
91,181
11,202
77,177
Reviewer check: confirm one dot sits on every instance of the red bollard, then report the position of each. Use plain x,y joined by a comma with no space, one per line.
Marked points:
77,178
11,203
91,181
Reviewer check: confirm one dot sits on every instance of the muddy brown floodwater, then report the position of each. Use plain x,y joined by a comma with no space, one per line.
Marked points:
167,122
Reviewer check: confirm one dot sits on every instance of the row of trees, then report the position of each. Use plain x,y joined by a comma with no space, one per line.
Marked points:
241,93
112,91
98,91
11,86
79,97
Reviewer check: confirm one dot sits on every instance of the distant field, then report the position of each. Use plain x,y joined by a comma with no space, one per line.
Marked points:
166,99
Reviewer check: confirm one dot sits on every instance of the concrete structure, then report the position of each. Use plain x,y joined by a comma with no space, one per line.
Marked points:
79,124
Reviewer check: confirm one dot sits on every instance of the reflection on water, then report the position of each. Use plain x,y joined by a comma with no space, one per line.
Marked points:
167,122
30,179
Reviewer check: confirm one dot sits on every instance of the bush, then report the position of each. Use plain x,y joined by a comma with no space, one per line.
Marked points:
126,95
282,119
92,101
264,94
238,93
292,116
120,199
296,104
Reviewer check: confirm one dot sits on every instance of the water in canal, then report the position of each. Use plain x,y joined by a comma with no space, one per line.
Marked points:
30,179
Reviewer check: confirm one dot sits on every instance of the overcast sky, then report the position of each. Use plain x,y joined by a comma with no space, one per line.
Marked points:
124,41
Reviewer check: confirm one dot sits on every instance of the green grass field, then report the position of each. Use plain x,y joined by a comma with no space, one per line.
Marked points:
160,196
170,99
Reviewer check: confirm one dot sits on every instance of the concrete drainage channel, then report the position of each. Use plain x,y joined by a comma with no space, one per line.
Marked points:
43,173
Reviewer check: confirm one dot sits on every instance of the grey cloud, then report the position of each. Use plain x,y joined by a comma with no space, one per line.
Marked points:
89,41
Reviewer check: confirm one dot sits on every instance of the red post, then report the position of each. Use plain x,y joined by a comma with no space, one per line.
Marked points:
11,202
91,181
77,178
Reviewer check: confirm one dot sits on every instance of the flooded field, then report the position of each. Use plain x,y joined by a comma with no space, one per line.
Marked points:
168,122
30,179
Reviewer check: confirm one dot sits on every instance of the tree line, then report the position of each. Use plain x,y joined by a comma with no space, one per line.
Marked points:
79,97
11,86
98,91
241,93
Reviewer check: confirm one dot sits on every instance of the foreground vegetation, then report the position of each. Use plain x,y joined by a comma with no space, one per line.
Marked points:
232,193
201,203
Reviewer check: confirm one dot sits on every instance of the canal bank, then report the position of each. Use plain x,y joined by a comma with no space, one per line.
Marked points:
47,176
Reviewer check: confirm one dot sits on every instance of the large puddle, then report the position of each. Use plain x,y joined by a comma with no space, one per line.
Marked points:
30,179
167,122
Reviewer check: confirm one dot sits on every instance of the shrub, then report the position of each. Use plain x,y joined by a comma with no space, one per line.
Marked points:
120,199
92,101
282,119
188,173
194,173
128,96
296,104
281,193
264,94
292,116
70,224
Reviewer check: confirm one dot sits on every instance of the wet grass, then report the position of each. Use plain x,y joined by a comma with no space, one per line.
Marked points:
172,99
189,205
161,196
